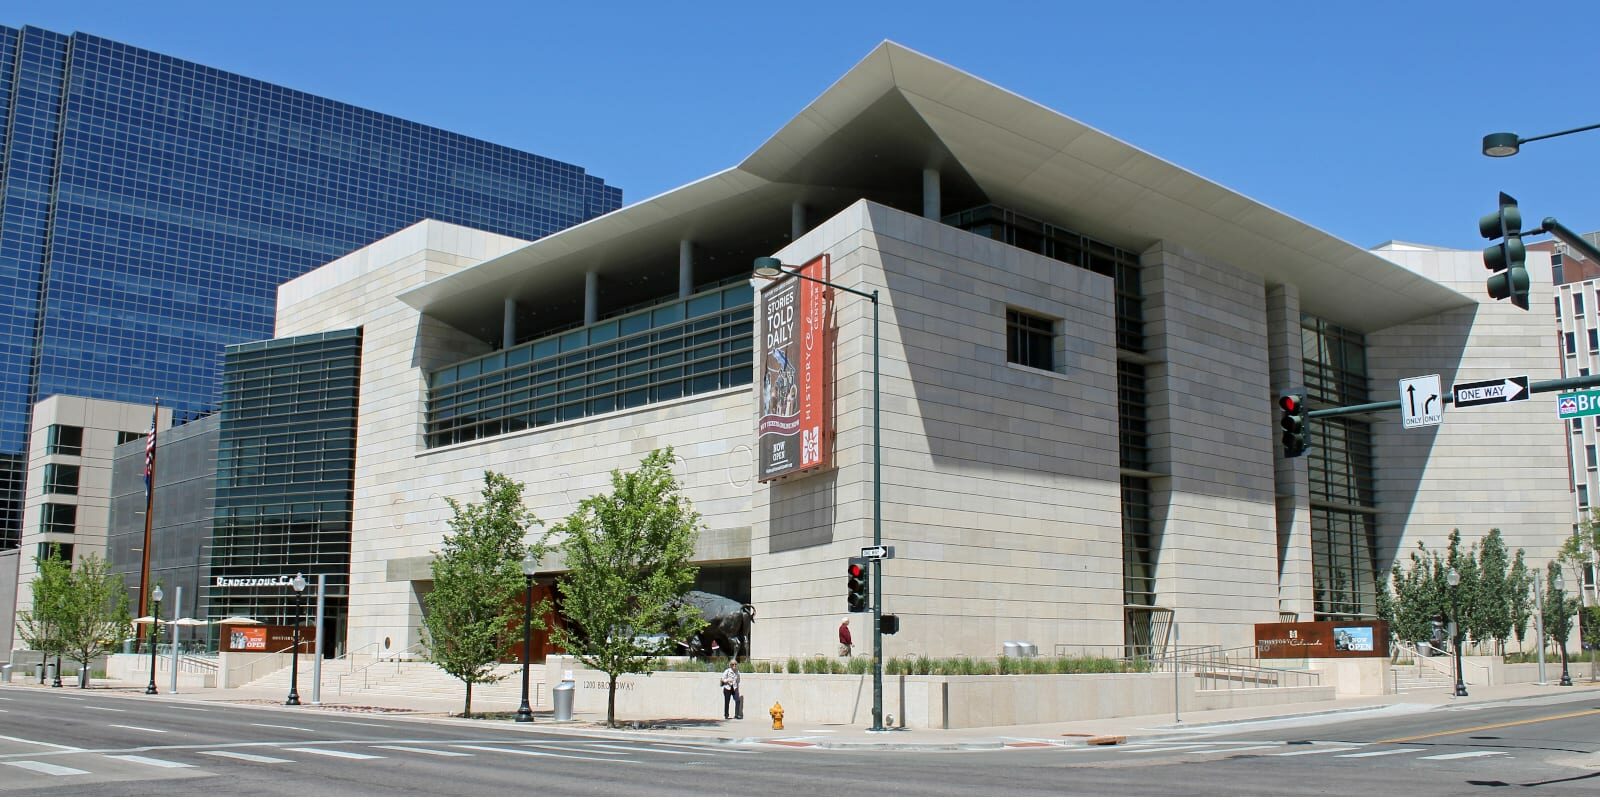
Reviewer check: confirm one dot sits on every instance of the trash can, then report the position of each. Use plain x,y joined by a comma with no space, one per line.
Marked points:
1013,650
5,673
50,671
563,697
1027,649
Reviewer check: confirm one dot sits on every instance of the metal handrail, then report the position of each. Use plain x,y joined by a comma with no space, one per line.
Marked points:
365,675
1449,663
1214,664
264,656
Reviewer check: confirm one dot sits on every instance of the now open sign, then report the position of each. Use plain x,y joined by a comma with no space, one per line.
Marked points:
1578,404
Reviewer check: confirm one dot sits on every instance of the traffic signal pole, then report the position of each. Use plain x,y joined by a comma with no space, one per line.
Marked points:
1557,385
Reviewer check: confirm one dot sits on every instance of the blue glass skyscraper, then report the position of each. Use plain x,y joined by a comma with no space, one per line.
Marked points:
149,208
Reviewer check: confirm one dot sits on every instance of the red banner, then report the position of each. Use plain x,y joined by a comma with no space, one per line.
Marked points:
795,430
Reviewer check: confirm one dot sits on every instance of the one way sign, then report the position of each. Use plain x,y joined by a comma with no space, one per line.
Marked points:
1499,390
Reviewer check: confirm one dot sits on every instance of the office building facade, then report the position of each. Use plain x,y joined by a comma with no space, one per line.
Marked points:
150,206
1082,346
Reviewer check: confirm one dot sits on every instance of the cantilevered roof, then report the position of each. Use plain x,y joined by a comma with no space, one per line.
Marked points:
897,112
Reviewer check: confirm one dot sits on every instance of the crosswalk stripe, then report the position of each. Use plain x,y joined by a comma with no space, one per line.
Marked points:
664,750
246,757
423,750
151,762
569,748
1131,751
1313,752
48,769
541,753
1454,756
137,728
1233,749
285,727
1383,752
335,753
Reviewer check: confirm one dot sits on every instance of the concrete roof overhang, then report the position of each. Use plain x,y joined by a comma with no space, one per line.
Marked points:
897,112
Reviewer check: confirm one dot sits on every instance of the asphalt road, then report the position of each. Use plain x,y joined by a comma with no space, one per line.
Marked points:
68,742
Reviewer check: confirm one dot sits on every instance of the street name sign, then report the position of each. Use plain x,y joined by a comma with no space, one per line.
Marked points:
877,552
1578,404
1484,393
1421,403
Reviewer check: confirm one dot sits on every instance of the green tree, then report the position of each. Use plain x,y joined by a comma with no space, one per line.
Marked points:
94,614
39,626
1521,580
1559,609
628,554
468,618
1491,609
1418,596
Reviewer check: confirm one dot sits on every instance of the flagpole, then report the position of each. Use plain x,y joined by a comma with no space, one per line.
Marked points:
149,509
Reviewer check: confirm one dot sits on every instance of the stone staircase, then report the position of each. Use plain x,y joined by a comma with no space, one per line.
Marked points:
1421,675
409,679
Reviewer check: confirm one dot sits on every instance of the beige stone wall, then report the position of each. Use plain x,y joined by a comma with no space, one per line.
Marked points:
1212,432
1000,487
1485,467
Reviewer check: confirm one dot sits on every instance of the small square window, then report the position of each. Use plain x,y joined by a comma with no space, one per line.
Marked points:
48,550
1577,424
58,518
1030,340
61,478
123,437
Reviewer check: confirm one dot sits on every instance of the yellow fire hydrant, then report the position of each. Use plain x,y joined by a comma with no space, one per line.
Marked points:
777,716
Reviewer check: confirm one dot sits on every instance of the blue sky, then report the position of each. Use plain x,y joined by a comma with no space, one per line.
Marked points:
1361,119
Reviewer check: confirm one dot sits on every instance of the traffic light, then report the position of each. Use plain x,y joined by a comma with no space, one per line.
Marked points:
1506,258
889,624
856,586
1295,436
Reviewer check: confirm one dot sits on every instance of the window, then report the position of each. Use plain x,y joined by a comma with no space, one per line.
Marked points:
1558,306
1583,495
1588,451
1577,425
123,437
1577,304
61,478
1557,272
60,550
65,440
1594,340
1572,343
58,518
1029,340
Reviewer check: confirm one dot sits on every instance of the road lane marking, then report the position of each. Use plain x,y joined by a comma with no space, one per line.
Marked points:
543,754
103,708
48,769
1313,752
423,750
1233,749
1490,727
363,724
285,727
137,728
41,744
1454,756
1376,753
246,757
335,753
152,762
1131,751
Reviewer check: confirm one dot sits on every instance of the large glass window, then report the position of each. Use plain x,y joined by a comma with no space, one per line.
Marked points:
1341,471
58,518
64,440
61,478
1030,340
673,350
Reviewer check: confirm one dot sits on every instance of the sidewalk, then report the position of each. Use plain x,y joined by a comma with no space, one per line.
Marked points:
756,727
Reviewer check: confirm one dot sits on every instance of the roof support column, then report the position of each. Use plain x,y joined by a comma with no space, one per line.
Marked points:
591,297
685,268
930,194
508,325
797,220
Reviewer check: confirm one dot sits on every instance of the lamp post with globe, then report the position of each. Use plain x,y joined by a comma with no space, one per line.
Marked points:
154,623
1454,579
299,587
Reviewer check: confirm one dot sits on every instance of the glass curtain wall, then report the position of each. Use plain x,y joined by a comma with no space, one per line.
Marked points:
1343,514
285,471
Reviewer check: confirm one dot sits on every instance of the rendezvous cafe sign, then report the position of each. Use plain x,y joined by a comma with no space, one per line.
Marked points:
794,432
280,580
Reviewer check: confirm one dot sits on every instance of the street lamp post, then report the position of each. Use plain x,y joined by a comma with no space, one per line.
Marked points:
770,268
1454,579
1561,608
1503,144
299,587
155,622
530,565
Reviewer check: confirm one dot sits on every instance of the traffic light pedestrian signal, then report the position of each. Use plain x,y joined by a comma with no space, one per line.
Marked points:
889,624
1295,436
856,586
1508,257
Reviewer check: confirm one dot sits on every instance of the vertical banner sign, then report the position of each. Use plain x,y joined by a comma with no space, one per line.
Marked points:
794,432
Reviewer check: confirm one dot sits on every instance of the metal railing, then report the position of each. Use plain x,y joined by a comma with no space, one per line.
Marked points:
1443,665
366,671
233,668
1234,668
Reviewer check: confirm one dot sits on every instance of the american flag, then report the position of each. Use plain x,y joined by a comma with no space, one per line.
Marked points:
150,455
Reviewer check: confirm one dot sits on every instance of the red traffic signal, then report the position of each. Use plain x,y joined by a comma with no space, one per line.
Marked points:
856,570
1289,403
856,586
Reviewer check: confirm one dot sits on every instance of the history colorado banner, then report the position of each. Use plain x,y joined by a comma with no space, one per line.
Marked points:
795,429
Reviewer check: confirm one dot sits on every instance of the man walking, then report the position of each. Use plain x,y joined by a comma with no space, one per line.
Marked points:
730,690
844,638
